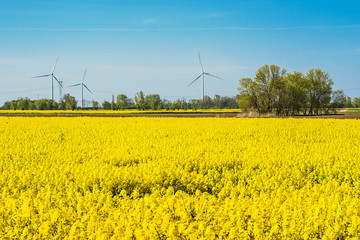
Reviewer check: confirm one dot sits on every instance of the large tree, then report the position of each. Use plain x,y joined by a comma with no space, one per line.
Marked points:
269,81
140,100
249,95
295,93
319,89
153,101
273,91
121,101
70,102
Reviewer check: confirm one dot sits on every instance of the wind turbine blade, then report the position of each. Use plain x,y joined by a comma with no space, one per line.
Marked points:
195,80
57,59
74,85
58,81
213,76
87,88
202,69
47,75
84,76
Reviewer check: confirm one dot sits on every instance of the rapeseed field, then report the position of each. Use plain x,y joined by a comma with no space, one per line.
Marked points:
169,178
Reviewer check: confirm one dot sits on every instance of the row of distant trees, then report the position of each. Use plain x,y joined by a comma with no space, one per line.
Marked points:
352,102
67,102
274,90
123,102
154,102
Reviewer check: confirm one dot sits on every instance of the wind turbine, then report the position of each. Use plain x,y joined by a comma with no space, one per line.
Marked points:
52,79
202,75
82,88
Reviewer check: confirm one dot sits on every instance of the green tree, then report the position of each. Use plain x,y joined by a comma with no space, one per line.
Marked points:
356,102
153,101
217,101
32,105
62,105
295,92
122,101
106,105
95,105
112,103
338,99
270,84
43,104
13,105
70,102
319,90
348,102
23,104
140,100
6,106
249,97
54,105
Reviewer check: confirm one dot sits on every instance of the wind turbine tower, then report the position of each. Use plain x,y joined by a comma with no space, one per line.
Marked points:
52,79
82,89
203,78
60,88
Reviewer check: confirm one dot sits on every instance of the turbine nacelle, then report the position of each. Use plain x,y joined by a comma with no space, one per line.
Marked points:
52,79
82,84
202,75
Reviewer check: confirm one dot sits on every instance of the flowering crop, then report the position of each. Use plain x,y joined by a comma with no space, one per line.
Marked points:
132,111
158,178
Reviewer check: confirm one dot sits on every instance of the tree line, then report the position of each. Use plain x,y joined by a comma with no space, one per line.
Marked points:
274,90
352,102
123,102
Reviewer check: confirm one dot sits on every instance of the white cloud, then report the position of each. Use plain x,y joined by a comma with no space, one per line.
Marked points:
218,14
149,21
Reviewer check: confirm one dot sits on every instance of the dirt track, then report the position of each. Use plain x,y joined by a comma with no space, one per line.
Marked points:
164,114
177,115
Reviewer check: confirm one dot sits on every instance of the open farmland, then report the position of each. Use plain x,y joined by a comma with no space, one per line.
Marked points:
158,178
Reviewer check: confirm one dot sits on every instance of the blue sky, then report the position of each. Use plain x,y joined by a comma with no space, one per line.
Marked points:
152,45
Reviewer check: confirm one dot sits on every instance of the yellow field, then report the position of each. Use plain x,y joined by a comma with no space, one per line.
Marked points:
159,178
131,111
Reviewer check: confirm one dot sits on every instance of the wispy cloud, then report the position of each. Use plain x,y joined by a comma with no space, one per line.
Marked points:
10,60
293,28
75,29
218,14
150,21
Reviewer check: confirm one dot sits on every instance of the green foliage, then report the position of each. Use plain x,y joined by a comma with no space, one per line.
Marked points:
348,102
70,102
95,105
274,90
140,100
122,101
355,102
338,99
112,102
23,104
43,104
106,105
153,101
